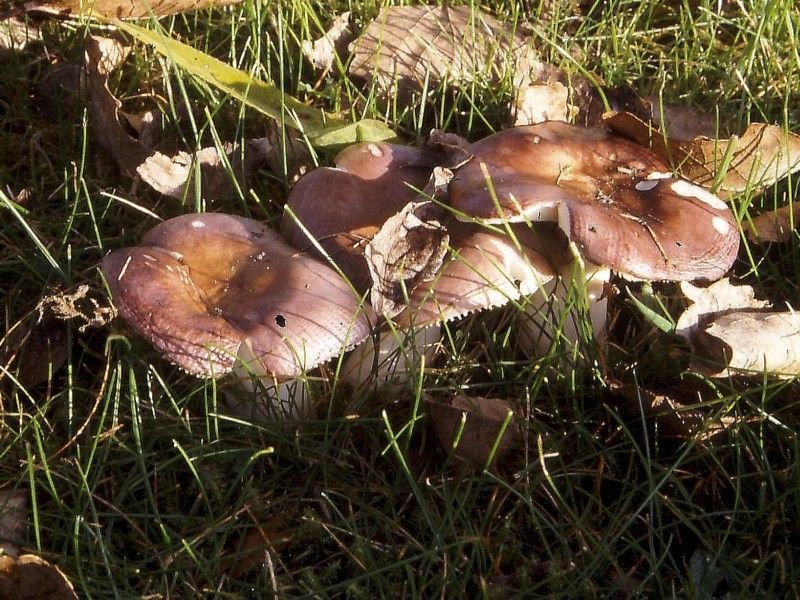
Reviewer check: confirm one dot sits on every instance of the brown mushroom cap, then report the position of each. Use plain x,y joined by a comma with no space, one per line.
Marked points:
203,285
615,199
344,207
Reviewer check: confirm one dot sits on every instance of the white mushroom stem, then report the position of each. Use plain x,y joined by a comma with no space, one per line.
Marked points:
264,398
394,356
551,310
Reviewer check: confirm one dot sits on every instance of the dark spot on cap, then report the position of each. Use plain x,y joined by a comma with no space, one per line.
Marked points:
280,320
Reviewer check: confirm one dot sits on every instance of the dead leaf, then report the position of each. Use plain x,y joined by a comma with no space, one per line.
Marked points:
13,521
322,53
679,122
542,102
124,9
672,409
754,160
170,175
732,332
407,47
708,303
32,578
15,34
482,420
749,342
248,557
102,55
776,226
80,306
407,250
174,175
33,351
289,155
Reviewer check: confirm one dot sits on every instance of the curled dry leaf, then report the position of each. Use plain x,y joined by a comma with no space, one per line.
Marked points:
322,53
482,419
774,226
13,521
706,304
750,342
732,332
32,578
543,102
406,46
16,34
169,175
679,122
757,158
79,306
407,250
125,9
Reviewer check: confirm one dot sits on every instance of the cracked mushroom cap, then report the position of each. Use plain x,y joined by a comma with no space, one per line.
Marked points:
616,200
201,287
486,269
344,207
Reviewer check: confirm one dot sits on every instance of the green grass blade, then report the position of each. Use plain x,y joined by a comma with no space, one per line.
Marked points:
325,130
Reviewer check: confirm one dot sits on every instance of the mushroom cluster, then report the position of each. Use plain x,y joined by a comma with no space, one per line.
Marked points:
218,294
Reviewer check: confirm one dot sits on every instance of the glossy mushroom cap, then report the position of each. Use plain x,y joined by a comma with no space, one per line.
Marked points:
344,207
200,287
615,199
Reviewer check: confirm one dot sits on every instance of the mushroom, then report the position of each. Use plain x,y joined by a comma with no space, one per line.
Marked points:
484,269
341,208
335,212
616,201
217,293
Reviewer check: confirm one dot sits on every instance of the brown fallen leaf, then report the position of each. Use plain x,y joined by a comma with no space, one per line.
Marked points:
482,420
13,521
322,52
249,554
679,122
708,303
540,102
170,175
731,332
16,34
289,156
33,350
776,226
673,410
749,343
102,56
407,250
32,578
405,47
174,175
754,160
123,9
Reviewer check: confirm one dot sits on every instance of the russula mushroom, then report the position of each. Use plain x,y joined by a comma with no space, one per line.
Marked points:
484,269
617,202
343,207
216,293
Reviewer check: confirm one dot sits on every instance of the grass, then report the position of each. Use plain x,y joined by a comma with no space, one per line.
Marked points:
139,485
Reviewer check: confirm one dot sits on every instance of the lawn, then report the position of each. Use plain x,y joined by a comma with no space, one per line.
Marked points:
138,483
